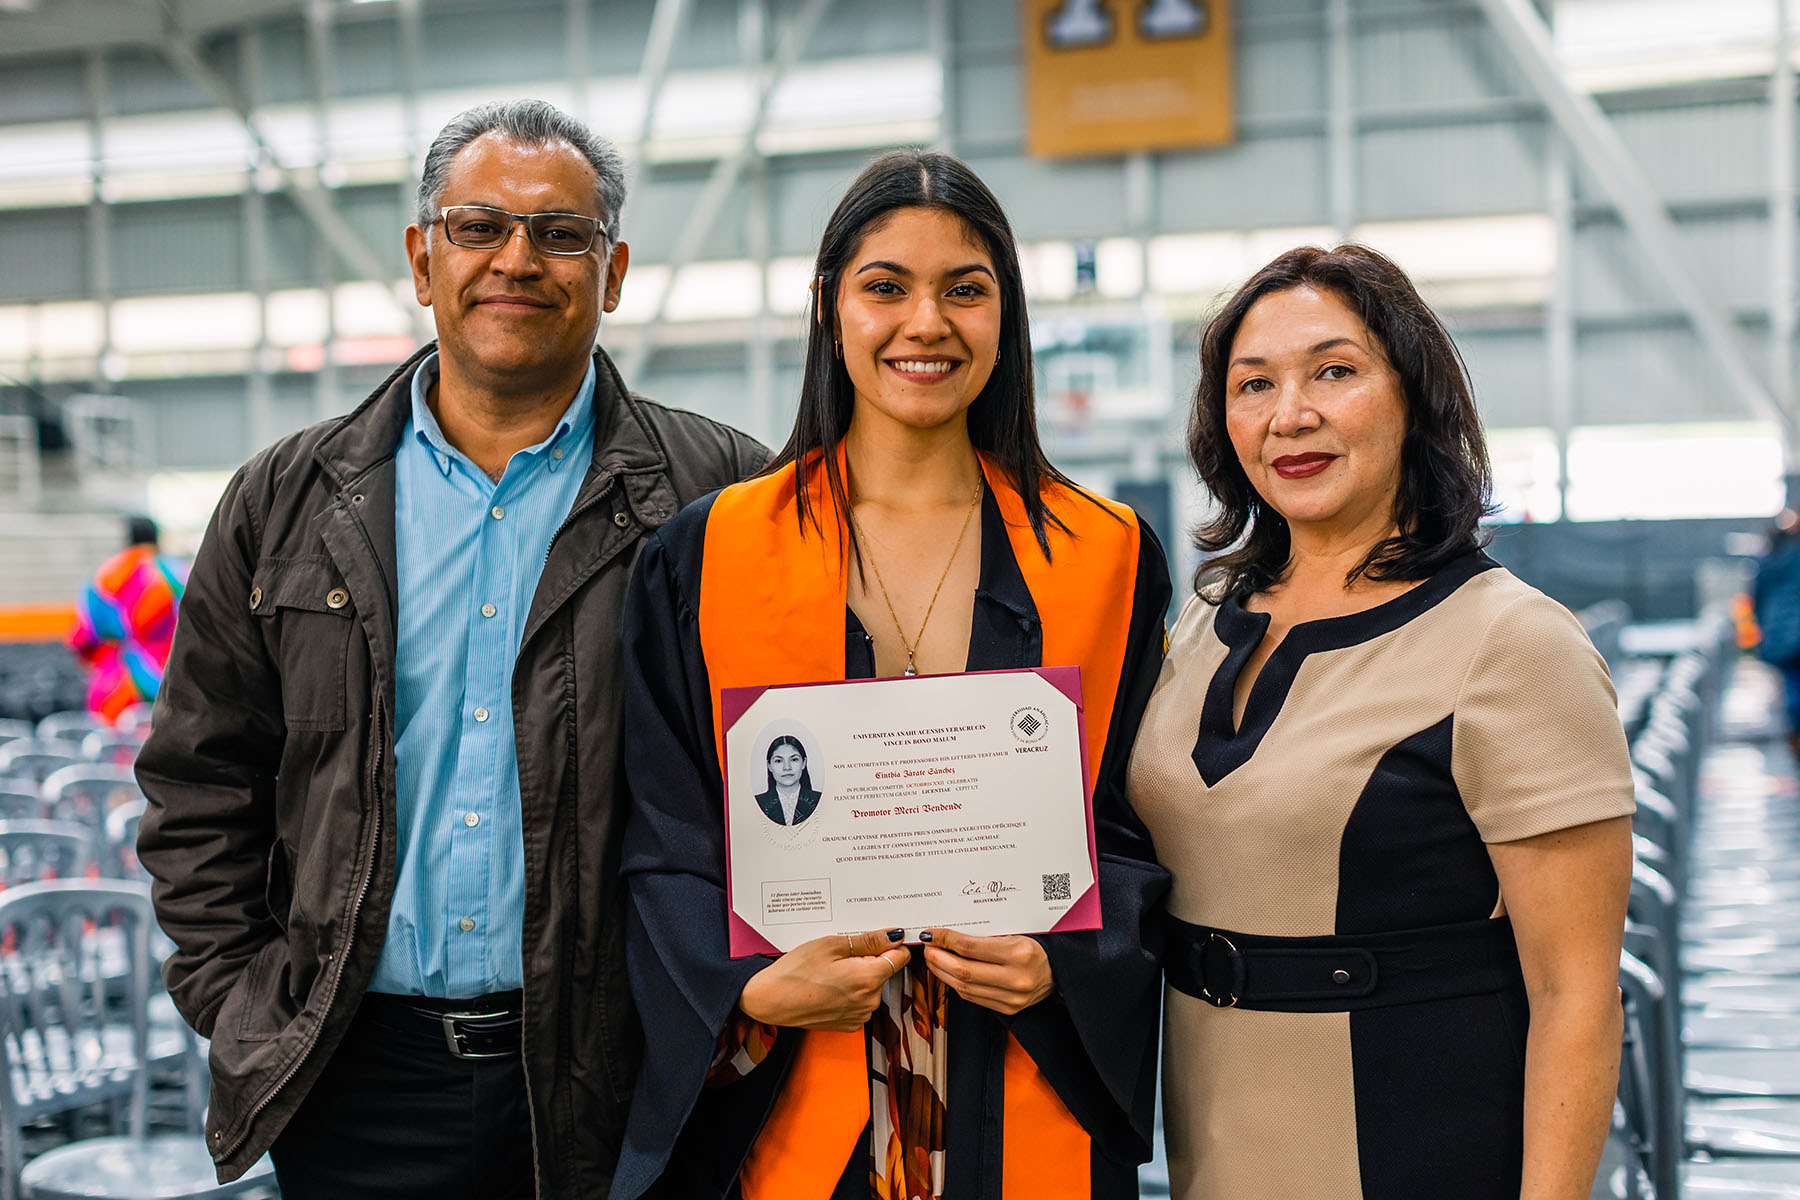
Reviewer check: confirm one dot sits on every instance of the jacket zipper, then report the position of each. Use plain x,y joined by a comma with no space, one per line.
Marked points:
581,506
343,951
537,1166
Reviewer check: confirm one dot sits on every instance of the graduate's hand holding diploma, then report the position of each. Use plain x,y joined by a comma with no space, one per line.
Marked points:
832,982
1007,974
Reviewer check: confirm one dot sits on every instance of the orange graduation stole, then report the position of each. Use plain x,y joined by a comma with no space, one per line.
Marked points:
772,603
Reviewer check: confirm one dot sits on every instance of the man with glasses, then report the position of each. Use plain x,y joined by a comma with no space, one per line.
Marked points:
382,818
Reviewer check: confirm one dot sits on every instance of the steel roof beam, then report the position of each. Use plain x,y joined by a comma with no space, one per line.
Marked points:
309,195
723,179
1597,145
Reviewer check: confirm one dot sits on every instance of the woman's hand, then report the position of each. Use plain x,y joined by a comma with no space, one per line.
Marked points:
1007,974
833,982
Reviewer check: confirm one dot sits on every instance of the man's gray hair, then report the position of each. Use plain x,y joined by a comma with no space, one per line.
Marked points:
530,123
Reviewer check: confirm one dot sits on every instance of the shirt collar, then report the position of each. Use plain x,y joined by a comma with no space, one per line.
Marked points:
576,423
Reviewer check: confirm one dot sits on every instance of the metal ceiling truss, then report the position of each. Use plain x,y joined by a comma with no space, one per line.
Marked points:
1597,146
725,174
308,192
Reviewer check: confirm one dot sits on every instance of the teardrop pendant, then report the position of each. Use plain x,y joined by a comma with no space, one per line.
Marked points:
911,671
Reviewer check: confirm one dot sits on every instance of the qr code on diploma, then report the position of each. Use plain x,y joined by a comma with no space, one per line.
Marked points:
1056,887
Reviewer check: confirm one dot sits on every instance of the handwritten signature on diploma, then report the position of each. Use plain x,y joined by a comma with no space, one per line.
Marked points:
992,887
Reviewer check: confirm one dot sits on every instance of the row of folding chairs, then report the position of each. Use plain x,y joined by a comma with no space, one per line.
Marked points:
85,1032
100,802
1709,1093
71,737
69,800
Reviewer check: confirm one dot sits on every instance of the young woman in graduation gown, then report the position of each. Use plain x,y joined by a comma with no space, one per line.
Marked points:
911,525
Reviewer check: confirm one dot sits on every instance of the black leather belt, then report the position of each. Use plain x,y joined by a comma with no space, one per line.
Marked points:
485,1027
1341,973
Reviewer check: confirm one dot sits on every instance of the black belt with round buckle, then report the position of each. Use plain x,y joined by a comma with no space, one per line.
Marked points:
1227,969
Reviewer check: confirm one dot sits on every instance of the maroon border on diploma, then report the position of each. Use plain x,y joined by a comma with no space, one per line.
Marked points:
734,702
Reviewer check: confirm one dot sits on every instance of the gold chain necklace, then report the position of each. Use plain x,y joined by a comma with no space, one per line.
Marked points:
862,539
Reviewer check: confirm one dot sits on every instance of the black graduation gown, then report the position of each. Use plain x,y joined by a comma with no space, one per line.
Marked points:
685,1140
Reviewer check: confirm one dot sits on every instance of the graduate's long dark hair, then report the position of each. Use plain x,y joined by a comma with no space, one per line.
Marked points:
788,739
1444,476
1003,418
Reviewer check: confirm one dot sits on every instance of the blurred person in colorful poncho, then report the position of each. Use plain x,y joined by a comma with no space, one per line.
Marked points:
125,621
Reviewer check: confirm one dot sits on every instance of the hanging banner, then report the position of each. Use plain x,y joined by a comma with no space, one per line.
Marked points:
1120,76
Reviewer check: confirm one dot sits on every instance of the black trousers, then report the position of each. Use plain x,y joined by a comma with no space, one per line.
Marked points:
396,1116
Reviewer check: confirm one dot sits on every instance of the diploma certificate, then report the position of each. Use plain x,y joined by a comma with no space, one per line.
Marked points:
956,801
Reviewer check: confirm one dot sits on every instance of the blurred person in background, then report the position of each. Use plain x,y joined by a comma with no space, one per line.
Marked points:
382,819
911,524
125,621
1388,778
1775,596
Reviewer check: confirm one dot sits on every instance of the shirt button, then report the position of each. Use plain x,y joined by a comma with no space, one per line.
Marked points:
466,924
481,714
471,819
488,610
498,512
556,453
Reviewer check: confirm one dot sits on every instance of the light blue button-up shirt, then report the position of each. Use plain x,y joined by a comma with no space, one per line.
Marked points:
470,554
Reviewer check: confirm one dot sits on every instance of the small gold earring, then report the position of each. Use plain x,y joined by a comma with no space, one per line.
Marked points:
996,358
838,348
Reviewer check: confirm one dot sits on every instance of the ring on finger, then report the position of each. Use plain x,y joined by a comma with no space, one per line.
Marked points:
893,967
849,944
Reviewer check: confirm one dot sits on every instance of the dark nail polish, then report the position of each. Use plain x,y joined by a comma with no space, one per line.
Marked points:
895,935
925,936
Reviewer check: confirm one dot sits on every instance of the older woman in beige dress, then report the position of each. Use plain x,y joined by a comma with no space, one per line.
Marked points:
1388,778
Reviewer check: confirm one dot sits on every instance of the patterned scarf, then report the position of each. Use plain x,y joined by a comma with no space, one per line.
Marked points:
908,1046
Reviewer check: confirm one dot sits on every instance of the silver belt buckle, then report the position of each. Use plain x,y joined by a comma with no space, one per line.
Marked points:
457,1039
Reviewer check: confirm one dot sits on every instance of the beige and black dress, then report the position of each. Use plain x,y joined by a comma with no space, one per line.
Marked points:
1345,1016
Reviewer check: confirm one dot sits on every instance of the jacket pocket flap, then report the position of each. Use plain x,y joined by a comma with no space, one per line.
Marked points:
311,584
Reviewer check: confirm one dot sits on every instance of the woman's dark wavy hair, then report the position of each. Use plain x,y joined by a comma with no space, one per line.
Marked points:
1445,480
1003,418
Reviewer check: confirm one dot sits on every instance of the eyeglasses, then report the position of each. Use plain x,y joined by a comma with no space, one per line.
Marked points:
477,227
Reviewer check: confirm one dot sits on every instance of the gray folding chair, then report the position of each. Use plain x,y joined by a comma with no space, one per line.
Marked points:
20,804
1741,1179
86,792
1763,1074
136,717
1745,1128
35,850
14,731
118,856
115,747
30,758
68,728
1646,1124
72,1041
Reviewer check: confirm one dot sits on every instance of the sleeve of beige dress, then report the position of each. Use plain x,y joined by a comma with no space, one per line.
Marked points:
1537,741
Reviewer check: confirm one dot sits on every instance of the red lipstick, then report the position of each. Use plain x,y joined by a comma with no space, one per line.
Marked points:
1302,466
